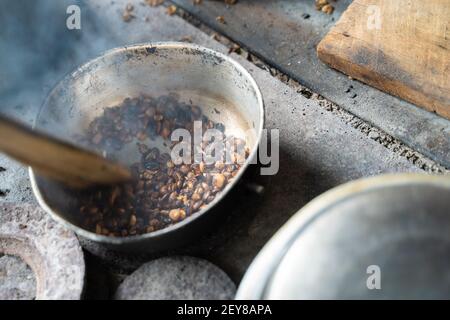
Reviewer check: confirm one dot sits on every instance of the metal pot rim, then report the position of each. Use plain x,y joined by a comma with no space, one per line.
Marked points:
255,280
173,228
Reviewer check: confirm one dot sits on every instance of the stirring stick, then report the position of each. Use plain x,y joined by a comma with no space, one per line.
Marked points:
56,159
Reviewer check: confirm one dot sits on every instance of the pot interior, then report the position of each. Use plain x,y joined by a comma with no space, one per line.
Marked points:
197,76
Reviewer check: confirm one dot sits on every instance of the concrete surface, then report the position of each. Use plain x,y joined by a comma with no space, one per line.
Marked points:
177,278
317,152
278,32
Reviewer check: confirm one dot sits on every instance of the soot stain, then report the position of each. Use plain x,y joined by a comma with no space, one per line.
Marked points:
150,50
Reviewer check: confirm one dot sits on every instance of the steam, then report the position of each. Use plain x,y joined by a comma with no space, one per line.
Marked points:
37,50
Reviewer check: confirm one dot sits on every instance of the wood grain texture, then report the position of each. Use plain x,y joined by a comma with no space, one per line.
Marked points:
56,159
407,56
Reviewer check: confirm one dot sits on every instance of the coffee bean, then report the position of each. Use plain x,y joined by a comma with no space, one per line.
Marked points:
161,192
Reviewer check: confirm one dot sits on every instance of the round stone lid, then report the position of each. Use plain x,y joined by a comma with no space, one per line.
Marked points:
379,238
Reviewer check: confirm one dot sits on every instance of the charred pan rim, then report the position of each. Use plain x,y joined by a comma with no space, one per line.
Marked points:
258,275
149,48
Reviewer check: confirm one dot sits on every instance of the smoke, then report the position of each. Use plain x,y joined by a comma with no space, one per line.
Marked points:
37,50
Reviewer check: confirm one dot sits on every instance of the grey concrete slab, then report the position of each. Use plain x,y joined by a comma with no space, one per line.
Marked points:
278,32
317,149
177,278
14,182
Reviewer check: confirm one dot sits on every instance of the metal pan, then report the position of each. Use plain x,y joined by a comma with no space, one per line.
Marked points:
385,237
220,86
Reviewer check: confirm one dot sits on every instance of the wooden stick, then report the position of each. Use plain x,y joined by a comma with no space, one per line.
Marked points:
57,159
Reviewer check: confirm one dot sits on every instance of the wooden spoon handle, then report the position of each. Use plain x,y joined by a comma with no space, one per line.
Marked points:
57,159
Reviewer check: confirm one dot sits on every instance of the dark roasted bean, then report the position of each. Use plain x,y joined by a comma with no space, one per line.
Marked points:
196,206
151,165
161,193
220,127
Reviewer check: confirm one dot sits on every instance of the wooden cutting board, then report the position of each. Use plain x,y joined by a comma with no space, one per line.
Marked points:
399,46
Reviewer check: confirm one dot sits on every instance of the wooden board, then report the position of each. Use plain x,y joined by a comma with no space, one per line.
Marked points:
399,46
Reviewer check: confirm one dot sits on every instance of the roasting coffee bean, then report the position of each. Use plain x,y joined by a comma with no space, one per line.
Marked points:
161,193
